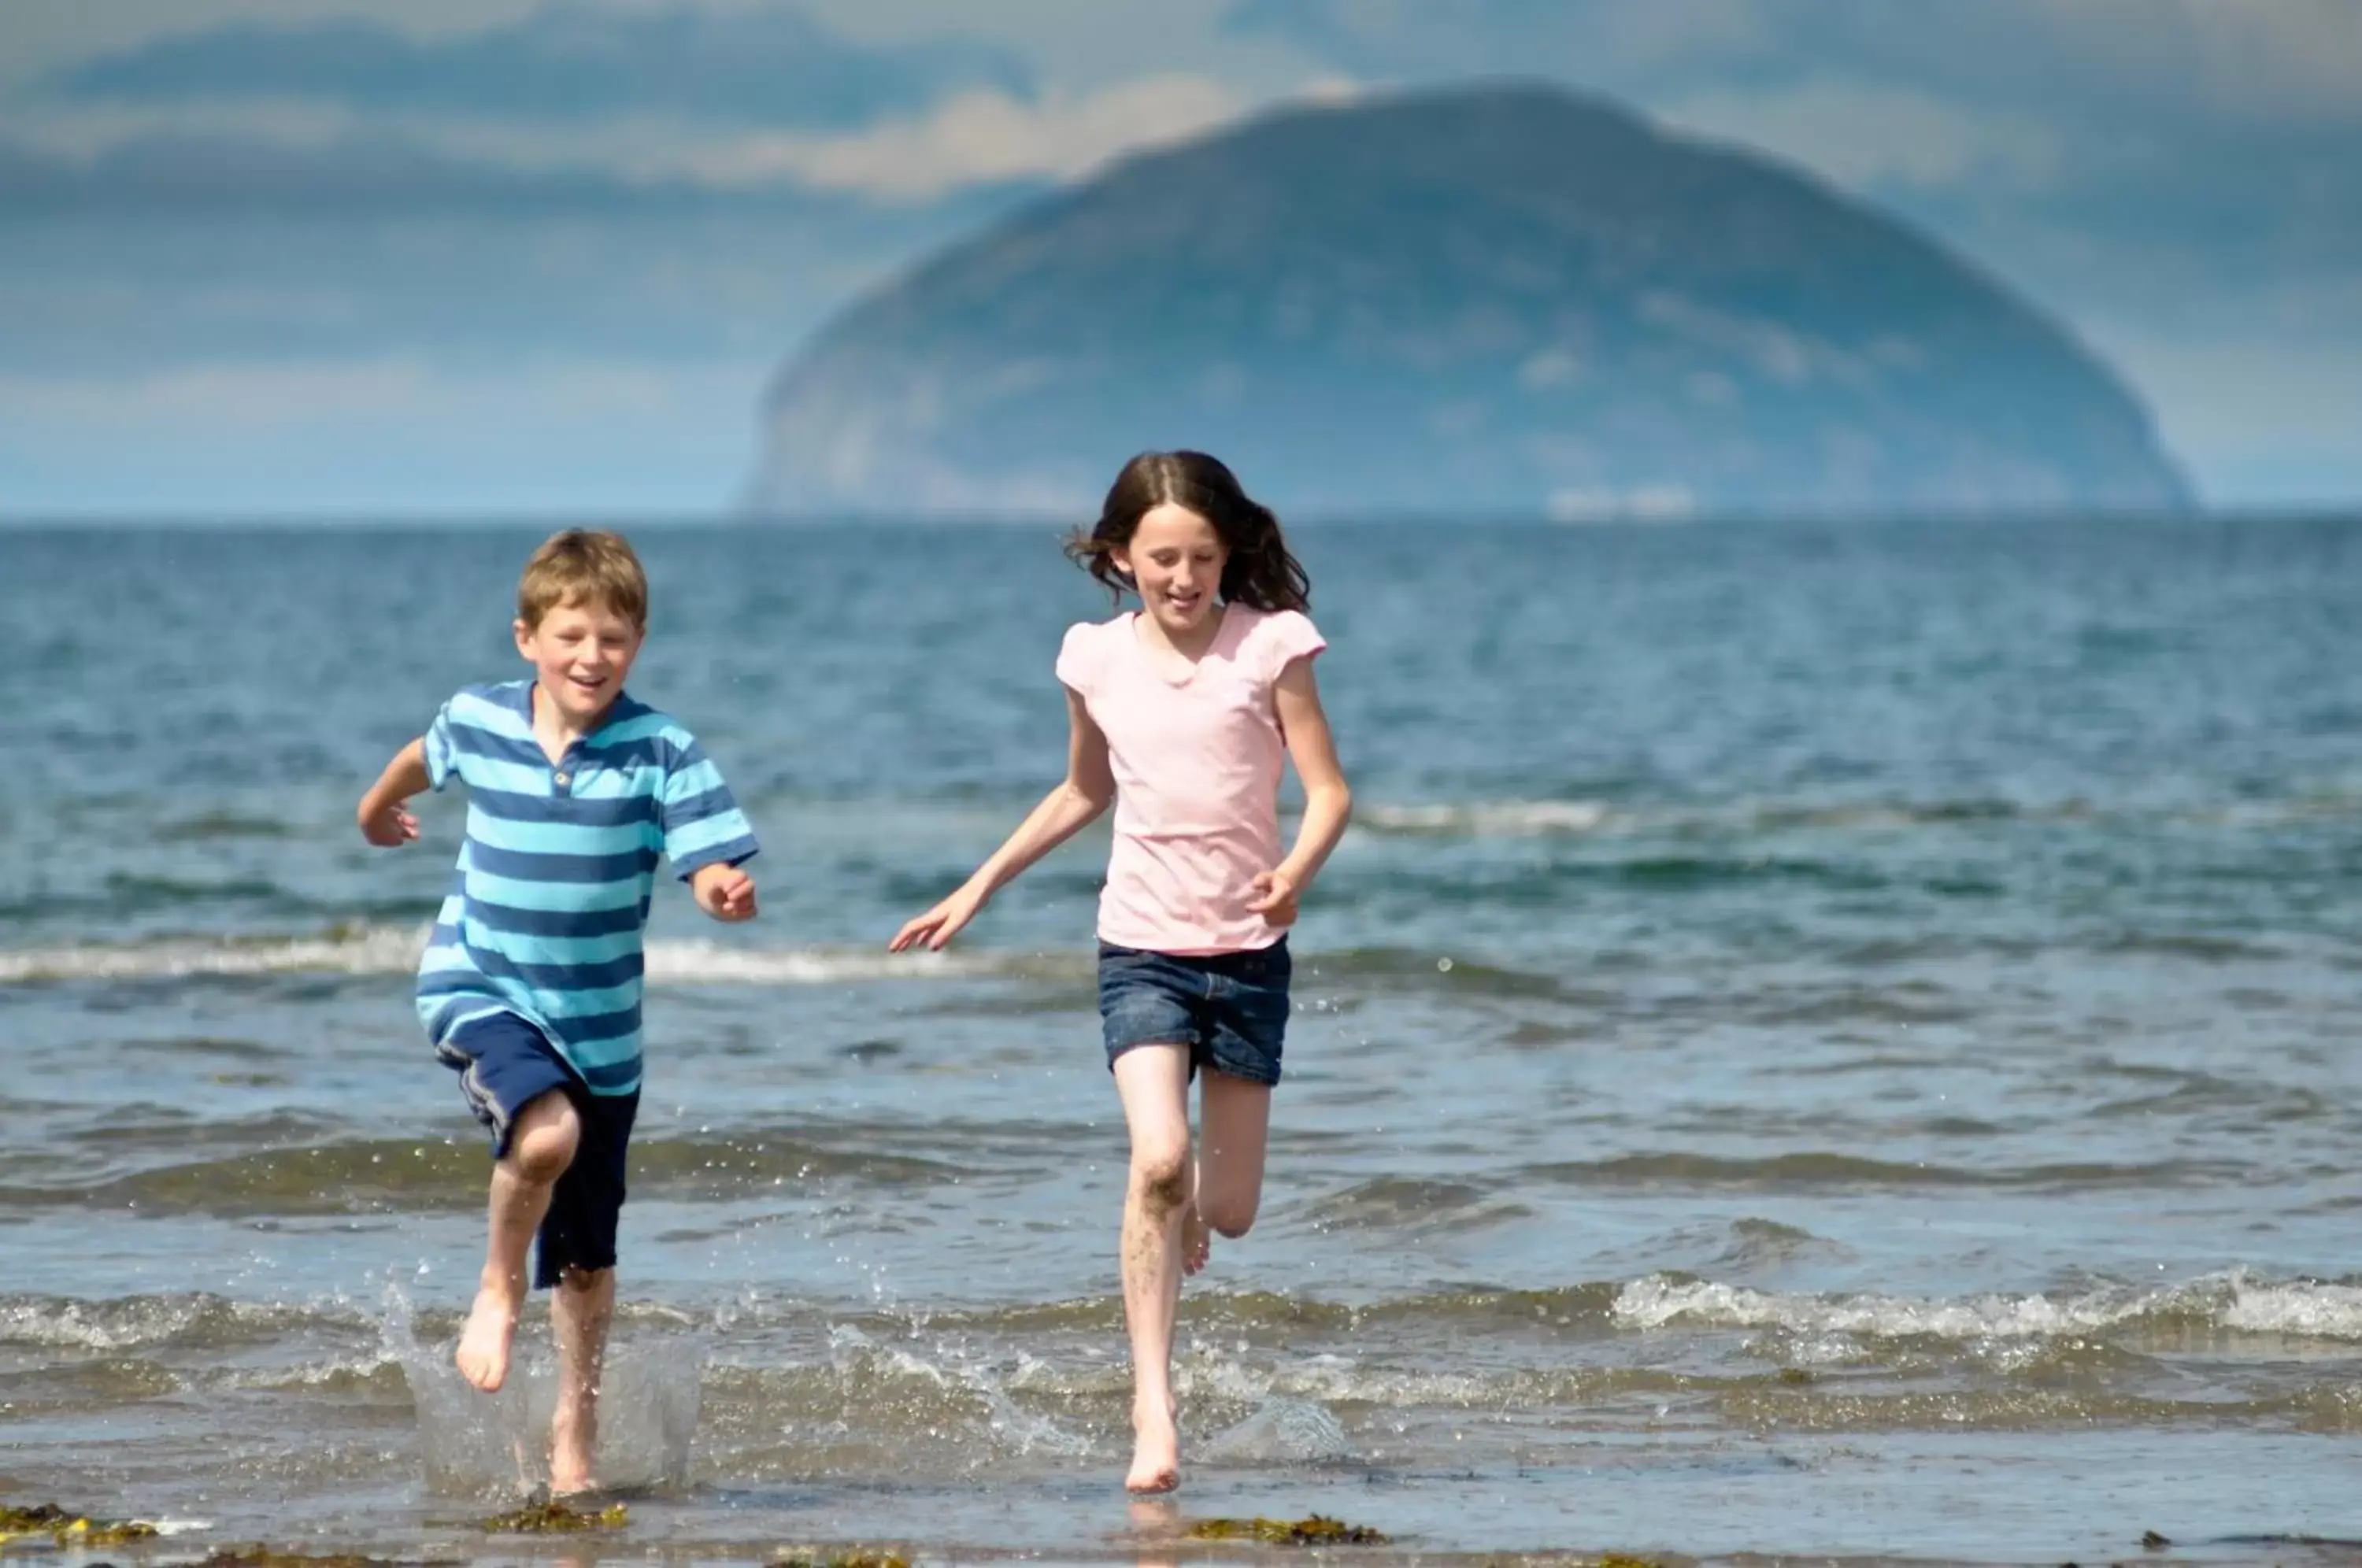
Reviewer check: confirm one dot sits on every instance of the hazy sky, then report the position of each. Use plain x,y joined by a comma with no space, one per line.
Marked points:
461,255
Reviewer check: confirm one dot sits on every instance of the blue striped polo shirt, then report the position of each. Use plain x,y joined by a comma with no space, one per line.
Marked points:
546,911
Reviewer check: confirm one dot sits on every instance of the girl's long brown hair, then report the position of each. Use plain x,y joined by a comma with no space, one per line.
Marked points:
1259,574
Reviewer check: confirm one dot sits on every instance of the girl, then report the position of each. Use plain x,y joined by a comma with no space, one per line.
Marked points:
1179,713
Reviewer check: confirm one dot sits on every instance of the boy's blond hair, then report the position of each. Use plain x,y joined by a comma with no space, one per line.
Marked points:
583,566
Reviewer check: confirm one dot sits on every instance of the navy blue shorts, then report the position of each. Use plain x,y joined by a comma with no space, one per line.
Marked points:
1229,1008
505,1065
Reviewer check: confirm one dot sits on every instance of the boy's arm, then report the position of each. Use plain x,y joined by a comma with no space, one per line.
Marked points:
383,819
706,835
724,891
1328,802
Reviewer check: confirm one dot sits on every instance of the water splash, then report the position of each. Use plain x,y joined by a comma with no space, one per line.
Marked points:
496,1445
1284,1431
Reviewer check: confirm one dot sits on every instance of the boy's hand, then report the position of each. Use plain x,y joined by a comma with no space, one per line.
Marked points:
723,891
1275,897
389,826
939,924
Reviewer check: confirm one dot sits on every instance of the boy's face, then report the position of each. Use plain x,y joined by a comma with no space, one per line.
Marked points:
581,653
1176,559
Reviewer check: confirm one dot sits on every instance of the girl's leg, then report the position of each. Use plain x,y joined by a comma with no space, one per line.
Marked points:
1234,1131
541,1145
1153,1081
579,1312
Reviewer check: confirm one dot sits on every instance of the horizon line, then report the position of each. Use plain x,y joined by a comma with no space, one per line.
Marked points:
328,519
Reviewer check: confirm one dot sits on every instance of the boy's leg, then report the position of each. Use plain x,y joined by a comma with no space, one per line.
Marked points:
1153,1081
542,1141
579,1313
577,1262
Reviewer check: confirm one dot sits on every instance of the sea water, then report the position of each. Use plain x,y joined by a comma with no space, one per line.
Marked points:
1820,1039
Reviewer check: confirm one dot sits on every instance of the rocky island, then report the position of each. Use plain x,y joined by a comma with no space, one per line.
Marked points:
1495,301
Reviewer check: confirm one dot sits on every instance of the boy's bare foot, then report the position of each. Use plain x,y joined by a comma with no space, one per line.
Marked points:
1156,1450
1196,1240
571,1435
483,1355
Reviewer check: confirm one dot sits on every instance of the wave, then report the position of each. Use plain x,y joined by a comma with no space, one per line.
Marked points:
364,949
192,1319
2230,1303
1812,1169
1547,819
1488,819
317,1171
799,1388
875,1344
434,1175
1541,818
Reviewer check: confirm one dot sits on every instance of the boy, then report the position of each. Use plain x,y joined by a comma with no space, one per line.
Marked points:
530,987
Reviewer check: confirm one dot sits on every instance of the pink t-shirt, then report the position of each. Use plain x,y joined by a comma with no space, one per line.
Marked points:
1197,753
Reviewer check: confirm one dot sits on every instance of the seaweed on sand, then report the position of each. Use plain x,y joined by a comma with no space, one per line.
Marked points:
1316,1530
69,1528
808,1557
260,1556
557,1519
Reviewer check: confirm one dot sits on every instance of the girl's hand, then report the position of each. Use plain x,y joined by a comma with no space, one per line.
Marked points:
724,892
389,826
939,924
1274,898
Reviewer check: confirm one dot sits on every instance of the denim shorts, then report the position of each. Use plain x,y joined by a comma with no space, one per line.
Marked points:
1229,1008
505,1065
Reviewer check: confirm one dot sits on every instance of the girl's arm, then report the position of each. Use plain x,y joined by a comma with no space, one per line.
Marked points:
1089,788
1328,802
385,820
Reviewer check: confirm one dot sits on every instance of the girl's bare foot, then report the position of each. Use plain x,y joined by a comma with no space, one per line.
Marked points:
483,1355
1196,1240
1156,1450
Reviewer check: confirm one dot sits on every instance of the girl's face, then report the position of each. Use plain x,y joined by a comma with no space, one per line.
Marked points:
1176,559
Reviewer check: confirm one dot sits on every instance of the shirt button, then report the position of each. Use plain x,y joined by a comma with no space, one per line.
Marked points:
564,778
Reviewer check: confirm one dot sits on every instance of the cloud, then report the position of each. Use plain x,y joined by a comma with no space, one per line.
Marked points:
305,438
291,152
2266,418
2279,60
1919,140
974,138
303,266
476,183
569,62
1593,40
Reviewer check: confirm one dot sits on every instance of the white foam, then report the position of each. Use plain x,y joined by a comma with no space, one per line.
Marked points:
126,1324
2230,1302
1488,819
2319,1311
1655,1301
710,963
68,1325
394,950
376,950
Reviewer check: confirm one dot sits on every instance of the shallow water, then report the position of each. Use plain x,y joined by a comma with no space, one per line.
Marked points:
1821,1041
